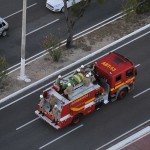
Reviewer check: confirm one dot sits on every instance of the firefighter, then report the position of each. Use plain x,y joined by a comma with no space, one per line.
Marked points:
82,69
52,101
77,71
92,77
87,80
68,90
55,113
89,68
57,83
41,104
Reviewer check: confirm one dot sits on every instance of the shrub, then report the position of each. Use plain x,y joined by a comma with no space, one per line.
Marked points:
53,45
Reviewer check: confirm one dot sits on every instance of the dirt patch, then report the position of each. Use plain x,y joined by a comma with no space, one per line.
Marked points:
84,46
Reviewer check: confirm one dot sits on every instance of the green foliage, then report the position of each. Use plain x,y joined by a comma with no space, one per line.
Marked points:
53,45
143,7
56,54
87,48
131,7
3,69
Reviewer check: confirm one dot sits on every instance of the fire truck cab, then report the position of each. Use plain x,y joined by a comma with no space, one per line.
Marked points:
119,72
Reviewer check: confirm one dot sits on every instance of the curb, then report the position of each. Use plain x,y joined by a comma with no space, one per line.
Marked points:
73,64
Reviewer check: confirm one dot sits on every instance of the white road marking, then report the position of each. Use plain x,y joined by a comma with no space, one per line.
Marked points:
141,93
27,123
99,27
98,24
137,65
42,27
58,72
19,11
63,42
61,136
131,139
22,97
123,135
75,63
130,41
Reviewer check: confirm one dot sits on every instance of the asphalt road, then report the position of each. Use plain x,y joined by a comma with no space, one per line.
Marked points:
94,130
38,16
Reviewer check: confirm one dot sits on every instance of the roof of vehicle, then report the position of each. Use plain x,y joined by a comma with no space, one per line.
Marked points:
54,2
113,64
1,19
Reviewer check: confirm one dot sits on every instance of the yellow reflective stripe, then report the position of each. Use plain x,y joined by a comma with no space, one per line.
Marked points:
80,108
90,100
77,109
116,87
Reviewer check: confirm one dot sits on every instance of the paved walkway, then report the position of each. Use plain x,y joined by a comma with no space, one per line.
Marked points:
137,141
141,144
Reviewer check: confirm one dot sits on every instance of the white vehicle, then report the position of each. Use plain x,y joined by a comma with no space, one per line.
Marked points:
3,27
58,5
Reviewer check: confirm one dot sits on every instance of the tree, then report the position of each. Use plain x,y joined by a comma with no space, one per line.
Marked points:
137,6
73,15
143,6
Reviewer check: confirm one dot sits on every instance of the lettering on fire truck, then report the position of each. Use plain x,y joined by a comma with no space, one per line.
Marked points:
108,66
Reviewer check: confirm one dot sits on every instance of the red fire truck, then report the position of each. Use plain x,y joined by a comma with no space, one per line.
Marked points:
115,77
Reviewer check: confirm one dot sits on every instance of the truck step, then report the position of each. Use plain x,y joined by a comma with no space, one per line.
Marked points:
47,120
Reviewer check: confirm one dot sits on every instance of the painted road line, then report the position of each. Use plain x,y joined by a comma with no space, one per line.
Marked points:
27,123
19,11
137,65
22,97
141,93
61,136
98,24
132,139
73,64
42,27
130,41
123,135
63,43
29,94
99,27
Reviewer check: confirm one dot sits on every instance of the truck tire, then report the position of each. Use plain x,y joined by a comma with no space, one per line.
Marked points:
63,9
122,94
4,33
76,119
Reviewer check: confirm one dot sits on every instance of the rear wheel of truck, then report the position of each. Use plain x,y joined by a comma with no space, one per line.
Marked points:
63,10
122,94
76,119
4,33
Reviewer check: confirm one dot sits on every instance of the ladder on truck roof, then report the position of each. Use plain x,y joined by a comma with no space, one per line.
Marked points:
82,90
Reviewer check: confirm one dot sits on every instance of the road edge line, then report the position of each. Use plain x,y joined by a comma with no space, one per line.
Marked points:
75,63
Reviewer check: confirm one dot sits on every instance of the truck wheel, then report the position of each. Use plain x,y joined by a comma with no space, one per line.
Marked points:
63,9
122,94
76,119
4,33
